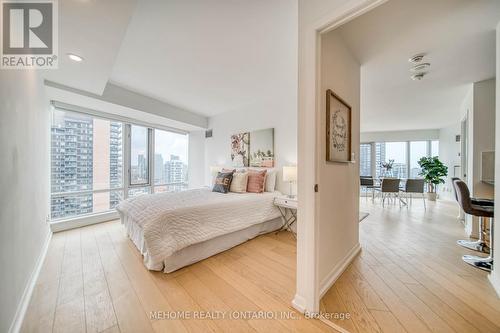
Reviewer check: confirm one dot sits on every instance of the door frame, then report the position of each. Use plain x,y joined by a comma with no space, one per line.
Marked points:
307,295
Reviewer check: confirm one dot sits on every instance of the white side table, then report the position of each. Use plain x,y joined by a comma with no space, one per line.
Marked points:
288,210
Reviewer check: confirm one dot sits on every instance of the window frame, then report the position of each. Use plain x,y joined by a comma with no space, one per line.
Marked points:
407,157
126,165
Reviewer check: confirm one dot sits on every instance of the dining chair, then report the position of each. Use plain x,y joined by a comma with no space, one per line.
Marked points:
389,188
414,186
367,183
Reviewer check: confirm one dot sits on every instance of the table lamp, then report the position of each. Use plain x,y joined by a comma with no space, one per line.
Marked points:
290,175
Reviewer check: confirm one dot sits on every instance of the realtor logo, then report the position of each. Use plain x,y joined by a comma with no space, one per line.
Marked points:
29,34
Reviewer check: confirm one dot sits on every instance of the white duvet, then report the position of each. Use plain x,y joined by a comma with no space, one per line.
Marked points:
173,221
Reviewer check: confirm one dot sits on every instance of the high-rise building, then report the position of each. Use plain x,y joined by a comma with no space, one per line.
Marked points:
365,157
75,166
379,158
115,162
72,165
142,167
174,170
159,169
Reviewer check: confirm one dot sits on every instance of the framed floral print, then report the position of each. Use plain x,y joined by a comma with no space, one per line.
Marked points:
338,129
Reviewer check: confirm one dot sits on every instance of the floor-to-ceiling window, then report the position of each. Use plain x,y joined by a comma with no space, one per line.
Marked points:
86,164
434,148
418,149
395,159
89,171
170,161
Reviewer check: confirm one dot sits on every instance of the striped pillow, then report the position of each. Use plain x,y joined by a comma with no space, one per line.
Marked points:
256,181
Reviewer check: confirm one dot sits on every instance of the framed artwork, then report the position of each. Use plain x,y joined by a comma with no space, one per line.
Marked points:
338,129
240,149
262,148
254,149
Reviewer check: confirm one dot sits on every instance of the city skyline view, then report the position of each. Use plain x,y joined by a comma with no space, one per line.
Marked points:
404,154
87,156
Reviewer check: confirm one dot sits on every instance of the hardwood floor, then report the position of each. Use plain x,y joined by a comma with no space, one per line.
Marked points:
410,277
93,280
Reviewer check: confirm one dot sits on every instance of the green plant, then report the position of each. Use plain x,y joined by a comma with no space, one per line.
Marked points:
433,171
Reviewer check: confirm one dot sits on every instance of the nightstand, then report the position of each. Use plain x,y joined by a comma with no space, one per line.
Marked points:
288,210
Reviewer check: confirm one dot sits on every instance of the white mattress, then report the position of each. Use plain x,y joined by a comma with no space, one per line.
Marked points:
162,225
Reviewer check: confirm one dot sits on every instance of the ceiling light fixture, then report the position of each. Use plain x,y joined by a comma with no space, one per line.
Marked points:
418,76
420,67
75,57
417,58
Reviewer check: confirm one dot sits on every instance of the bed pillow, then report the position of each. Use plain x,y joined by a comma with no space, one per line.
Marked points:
239,182
271,180
223,182
256,181
214,171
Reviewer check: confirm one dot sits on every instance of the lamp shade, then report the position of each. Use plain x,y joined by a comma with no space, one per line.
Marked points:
289,173
214,170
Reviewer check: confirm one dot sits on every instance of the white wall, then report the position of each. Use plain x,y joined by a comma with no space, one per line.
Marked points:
280,117
24,180
388,136
277,109
483,134
479,105
495,275
338,201
196,159
449,154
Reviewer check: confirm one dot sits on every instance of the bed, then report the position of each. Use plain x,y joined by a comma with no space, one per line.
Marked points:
173,230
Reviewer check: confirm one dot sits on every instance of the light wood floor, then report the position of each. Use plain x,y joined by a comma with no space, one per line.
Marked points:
93,280
410,277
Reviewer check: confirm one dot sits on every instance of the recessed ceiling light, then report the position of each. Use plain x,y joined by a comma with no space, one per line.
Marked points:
417,58
75,57
418,76
420,67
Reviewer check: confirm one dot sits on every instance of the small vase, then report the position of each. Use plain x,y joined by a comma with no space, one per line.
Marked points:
431,196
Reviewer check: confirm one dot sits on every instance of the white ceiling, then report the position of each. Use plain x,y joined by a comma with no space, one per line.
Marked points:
458,37
209,57
94,30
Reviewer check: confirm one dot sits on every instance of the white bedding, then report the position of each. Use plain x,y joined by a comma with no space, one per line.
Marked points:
173,221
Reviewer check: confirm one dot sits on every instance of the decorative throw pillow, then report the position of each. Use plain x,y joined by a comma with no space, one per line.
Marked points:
223,182
239,182
271,180
256,181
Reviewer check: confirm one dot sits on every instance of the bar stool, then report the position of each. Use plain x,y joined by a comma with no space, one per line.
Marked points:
463,196
479,245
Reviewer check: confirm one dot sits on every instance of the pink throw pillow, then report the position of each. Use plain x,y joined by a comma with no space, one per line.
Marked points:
256,181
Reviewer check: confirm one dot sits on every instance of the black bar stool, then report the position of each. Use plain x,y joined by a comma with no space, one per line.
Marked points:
464,199
480,244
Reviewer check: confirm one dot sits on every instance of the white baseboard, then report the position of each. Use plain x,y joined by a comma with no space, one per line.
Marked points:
299,303
28,290
337,270
83,221
494,278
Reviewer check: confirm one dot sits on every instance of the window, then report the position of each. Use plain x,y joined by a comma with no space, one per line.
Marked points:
418,149
139,155
435,148
86,164
394,152
404,156
365,159
170,161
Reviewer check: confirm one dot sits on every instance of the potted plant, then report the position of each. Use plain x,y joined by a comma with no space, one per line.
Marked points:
433,171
